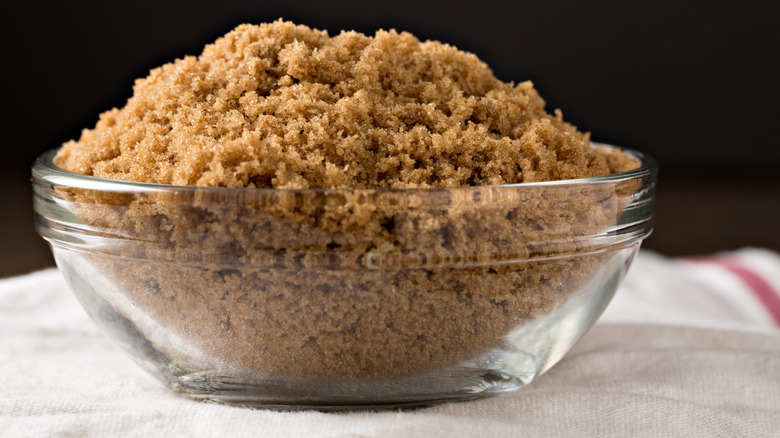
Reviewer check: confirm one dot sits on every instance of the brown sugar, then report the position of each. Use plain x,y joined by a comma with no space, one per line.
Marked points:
285,106
351,281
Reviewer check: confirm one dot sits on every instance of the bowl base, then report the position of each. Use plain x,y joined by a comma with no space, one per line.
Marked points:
285,395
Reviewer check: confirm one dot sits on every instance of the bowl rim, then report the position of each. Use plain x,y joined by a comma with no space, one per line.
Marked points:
44,168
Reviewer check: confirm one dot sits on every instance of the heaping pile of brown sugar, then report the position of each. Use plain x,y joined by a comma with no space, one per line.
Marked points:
286,106
308,284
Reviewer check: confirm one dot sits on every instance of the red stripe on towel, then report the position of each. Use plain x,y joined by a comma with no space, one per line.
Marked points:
763,291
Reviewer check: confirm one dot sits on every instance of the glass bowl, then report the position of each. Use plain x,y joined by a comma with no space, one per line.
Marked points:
344,299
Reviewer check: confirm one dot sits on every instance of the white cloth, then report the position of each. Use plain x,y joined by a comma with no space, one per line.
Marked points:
707,292
677,353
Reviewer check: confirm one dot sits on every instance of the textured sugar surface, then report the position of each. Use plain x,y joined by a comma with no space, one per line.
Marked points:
286,106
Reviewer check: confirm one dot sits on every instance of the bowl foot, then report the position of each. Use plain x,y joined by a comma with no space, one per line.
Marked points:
459,384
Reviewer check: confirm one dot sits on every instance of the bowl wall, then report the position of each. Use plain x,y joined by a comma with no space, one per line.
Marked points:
344,298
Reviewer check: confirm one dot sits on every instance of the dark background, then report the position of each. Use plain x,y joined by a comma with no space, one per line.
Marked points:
696,84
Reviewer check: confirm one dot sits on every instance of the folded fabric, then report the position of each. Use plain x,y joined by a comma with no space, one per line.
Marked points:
687,348
738,290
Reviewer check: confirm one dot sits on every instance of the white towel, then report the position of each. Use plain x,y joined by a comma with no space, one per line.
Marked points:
687,348
733,291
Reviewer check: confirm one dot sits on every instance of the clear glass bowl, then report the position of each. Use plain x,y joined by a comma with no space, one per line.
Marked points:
337,299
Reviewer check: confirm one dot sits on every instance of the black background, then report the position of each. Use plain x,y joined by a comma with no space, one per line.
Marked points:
694,84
